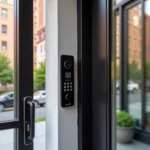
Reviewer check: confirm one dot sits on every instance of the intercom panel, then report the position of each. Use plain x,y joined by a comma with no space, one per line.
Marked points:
67,81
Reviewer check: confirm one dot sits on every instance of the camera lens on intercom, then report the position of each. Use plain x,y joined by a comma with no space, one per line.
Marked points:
67,64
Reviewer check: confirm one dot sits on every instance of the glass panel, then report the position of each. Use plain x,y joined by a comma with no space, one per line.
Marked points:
123,122
39,95
117,62
7,60
147,63
7,139
134,53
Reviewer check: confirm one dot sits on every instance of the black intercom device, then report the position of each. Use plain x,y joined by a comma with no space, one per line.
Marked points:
67,81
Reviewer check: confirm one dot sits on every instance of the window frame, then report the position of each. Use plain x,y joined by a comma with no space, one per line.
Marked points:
3,45
2,14
5,29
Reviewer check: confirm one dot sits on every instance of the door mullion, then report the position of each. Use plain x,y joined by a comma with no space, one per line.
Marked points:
24,64
9,125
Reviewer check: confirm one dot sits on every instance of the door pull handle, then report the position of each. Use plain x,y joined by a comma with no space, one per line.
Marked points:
29,120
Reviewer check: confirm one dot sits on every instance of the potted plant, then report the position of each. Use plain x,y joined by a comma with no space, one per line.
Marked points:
125,127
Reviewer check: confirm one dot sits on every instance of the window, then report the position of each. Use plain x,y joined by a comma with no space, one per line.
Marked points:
35,25
134,67
5,1
4,29
44,47
41,48
35,10
44,94
4,45
11,95
4,13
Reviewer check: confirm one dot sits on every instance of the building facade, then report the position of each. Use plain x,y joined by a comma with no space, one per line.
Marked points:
39,32
7,29
7,36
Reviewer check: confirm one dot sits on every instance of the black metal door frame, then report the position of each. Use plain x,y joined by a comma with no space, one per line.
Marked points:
94,43
23,69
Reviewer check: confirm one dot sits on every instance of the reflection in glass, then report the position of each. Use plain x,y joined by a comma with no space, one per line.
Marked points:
7,60
39,53
147,63
133,72
117,62
134,64
118,1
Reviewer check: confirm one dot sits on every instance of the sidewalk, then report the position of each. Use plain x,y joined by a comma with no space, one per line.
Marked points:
6,138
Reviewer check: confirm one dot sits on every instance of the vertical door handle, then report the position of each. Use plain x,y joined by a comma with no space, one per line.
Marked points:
29,120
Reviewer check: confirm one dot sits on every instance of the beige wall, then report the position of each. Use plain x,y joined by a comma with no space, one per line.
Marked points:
41,14
9,36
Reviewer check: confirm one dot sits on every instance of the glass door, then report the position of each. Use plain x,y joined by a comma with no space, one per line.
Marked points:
131,75
17,109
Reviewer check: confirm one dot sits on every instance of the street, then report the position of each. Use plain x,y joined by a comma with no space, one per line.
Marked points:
133,98
9,114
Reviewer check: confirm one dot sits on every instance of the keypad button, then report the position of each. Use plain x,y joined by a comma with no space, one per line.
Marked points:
70,86
64,86
70,83
64,83
68,90
67,83
64,90
67,86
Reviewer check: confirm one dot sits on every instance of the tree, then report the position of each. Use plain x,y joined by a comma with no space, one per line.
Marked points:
6,72
134,73
39,76
147,70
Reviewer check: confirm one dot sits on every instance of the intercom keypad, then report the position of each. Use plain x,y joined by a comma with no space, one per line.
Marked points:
67,81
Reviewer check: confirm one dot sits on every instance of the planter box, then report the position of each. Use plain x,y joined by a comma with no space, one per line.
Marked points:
125,134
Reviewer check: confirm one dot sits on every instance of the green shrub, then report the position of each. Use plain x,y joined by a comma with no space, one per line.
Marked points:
4,91
124,119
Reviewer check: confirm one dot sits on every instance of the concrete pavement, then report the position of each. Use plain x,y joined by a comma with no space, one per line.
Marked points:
6,138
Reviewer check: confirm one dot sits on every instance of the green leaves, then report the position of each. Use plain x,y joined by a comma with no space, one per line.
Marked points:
125,120
134,71
39,77
147,70
6,72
